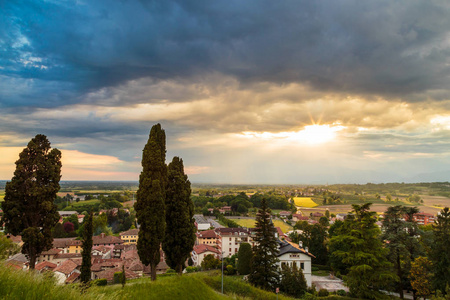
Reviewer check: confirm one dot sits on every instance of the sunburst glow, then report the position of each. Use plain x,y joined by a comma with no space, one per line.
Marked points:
311,134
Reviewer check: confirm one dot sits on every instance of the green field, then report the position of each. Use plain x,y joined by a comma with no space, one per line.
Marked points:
304,202
250,223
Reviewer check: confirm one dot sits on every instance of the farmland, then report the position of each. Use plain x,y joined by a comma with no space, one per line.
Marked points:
250,223
304,202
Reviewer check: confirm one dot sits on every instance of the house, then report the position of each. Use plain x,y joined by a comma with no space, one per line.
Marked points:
317,215
200,251
201,223
62,244
105,252
16,239
207,237
130,237
299,217
229,239
423,218
65,270
47,256
285,214
109,274
67,213
290,253
45,266
106,240
341,217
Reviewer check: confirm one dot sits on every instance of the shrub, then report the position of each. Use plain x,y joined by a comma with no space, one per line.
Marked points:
229,270
169,271
323,293
100,282
315,269
341,293
191,269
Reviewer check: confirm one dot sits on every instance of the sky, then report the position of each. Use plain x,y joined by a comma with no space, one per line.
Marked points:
270,92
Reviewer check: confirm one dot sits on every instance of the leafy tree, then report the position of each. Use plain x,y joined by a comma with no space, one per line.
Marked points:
58,231
210,262
151,195
293,281
180,227
68,227
245,255
7,247
440,254
420,275
365,257
264,272
86,238
314,237
29,208
74,220
400,231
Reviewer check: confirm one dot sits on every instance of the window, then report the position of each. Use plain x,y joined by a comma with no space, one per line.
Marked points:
230,250
302,265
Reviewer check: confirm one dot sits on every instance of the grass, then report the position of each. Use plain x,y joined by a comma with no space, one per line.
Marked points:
250,223
81,203
304,202
17,284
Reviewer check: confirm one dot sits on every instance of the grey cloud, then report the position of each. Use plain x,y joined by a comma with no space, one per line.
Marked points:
384,47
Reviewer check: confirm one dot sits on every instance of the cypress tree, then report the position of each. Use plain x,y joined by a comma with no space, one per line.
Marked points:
293,281
440,254
150,204
29,208
245,256
86,262
264,273
180,227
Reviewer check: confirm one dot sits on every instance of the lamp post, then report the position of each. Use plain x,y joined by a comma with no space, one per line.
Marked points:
222,270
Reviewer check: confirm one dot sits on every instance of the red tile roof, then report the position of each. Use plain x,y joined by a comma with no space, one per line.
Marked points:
52,251
45,265
73,277
66,267
103,239
206,234
204,248
130,232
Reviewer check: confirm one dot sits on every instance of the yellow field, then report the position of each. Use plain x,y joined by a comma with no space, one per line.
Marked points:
250,223
304,202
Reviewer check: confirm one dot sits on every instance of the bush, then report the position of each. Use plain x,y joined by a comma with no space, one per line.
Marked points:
341,293
323,293
191,269
100,282
117,277
169,271
315,269
229,270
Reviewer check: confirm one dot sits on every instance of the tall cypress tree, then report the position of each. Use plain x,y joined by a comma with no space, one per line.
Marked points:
245,256
86,262
264,273
440,254
150,204
28,207
180,227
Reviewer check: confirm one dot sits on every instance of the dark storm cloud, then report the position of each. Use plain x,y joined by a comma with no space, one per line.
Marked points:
58,51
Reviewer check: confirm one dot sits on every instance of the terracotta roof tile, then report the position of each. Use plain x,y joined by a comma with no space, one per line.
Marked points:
45,265
66,267
204,248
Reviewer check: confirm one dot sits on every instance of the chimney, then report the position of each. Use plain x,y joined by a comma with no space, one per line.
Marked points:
300,243
102,234
306,249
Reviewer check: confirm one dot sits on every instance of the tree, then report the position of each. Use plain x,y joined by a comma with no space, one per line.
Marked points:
68,227
293,281
29,208
86,263
210,262
399,235
245,256
264,273
150,204
440,254
58,231
420,275
7,247
180,227
359,248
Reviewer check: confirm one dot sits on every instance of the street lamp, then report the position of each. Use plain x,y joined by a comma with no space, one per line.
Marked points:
222,270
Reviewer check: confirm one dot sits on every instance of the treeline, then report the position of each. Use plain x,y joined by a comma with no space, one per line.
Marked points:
241,203
110,201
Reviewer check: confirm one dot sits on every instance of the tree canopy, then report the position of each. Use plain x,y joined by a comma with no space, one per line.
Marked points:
151,195
29,208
